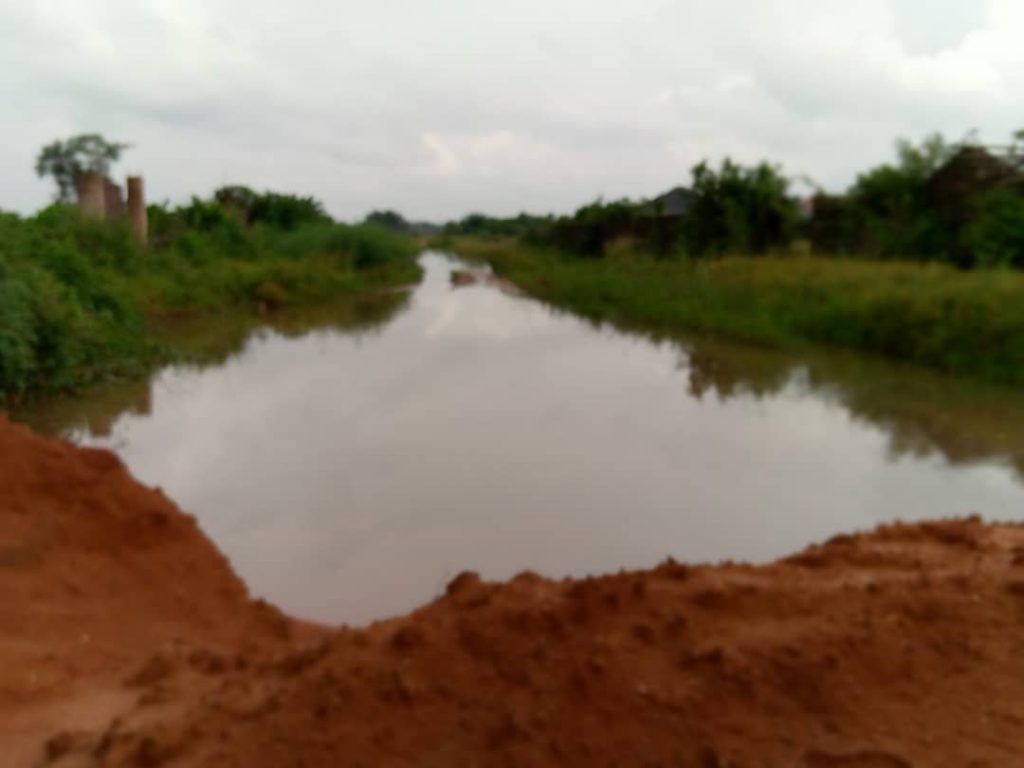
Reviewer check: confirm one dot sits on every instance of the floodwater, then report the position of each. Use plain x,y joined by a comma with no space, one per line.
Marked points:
350,464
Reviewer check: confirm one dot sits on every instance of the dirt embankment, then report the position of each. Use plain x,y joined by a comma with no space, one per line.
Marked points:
97,572
126,640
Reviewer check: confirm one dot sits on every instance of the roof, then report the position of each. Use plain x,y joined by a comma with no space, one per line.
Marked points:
972,170
675,202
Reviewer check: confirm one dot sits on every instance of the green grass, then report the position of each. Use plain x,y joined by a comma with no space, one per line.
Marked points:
81,303
963,323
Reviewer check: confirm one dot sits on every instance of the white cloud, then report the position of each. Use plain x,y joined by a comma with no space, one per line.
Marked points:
440,108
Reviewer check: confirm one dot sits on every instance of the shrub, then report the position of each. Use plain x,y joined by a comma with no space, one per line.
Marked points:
738,210
996,235
75,293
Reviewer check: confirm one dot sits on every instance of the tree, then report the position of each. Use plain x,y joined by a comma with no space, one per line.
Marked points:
283,211
738,209
67,160
995,236
921,162
236,196
894,217
388,219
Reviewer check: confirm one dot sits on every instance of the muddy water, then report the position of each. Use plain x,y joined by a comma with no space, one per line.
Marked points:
350,470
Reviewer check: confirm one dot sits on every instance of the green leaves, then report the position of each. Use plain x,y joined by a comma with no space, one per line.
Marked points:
996,235
282,211
76,294
738,210
67,160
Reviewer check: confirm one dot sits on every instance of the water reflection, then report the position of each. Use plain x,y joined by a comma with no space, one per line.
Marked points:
204,343
348,477
922,413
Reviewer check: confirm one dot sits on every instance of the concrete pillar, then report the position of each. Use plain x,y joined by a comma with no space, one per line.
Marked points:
114,200
137,210
91,200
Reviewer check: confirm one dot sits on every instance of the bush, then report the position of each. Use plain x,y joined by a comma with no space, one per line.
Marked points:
965,323
286,211
996,235
734,209
738,210
388,220
282,211
480,225
76,294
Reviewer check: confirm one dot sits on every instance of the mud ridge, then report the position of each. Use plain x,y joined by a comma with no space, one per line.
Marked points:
126,640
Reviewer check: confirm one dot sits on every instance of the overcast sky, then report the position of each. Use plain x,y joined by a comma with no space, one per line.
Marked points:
445,107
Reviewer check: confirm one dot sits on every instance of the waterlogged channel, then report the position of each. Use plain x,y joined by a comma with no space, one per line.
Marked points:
350,463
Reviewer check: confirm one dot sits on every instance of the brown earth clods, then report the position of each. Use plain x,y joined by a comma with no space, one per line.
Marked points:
126,640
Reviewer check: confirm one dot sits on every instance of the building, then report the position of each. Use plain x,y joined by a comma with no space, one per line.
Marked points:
674,203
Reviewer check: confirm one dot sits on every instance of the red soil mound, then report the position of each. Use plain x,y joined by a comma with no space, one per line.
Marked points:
96,572
125,640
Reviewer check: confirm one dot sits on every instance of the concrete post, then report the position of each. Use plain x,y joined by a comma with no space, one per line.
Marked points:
91,200
114,199
137,210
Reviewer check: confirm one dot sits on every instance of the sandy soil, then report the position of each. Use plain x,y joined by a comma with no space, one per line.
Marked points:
126,640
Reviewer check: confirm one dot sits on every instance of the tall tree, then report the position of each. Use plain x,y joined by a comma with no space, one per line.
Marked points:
891,207
738,209
67,160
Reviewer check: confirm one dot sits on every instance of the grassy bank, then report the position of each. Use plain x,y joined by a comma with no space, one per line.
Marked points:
964,323
80,302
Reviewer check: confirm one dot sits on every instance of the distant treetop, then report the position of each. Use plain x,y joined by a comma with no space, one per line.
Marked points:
389,220
67,160
284,211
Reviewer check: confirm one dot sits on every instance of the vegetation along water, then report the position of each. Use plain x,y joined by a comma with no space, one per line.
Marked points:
919,260
82,302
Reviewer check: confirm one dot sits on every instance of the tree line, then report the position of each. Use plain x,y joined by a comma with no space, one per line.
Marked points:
957,203
81,301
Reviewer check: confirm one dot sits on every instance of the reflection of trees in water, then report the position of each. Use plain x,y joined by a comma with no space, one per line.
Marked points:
94,411
921,412
204,343
209,342
711,371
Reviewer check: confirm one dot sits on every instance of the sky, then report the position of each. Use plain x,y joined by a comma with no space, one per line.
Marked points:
437,109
